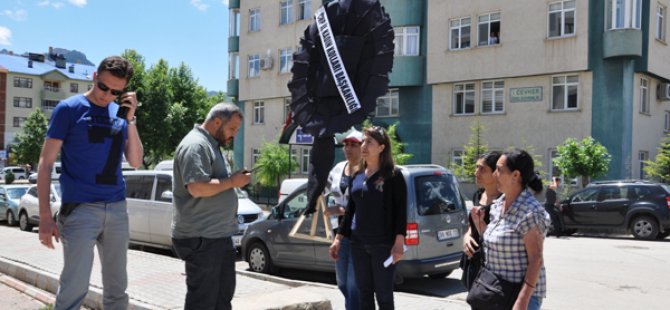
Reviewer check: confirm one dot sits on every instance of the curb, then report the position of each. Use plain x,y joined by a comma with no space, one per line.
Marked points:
35,293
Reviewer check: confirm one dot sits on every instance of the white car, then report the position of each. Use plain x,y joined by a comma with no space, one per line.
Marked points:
19,172
29,211
149,199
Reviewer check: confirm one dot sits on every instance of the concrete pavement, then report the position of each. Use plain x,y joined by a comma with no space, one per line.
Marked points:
158,282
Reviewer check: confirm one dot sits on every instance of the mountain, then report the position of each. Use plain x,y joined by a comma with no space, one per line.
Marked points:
73,56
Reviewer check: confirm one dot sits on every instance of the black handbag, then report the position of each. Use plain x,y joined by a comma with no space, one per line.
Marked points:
470,267
491,292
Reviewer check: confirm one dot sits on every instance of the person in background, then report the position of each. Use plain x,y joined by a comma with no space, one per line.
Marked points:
375,221
551,205
482,200
514,238
338,187
205,209
91,138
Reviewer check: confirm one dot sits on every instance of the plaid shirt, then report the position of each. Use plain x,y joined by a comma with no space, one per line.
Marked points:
504,247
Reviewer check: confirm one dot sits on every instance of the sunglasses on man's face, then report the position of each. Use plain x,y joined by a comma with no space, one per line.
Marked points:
106,88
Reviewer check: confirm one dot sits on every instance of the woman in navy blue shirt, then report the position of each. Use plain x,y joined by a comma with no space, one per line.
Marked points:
375,220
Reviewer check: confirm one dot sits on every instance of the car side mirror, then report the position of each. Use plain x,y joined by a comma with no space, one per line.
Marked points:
274,213
3,197
166,196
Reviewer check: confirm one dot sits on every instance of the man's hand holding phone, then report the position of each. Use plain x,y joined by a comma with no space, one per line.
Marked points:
127,106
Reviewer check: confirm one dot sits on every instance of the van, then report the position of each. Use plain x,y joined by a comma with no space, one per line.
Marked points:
436,222
19,172
149,201
288,186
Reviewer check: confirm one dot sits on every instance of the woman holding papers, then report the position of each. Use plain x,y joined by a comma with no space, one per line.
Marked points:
375,221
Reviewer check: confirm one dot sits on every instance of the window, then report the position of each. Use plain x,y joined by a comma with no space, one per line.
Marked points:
304,9
623,14
23,82
464,99
643,156
139,186
234,66
74,87
287,107
254,65
305,161
255,153
565,92
294,161
561,19
660,22
18,121
48,105
666,126
406,41
460,33
285,12
285,60
457,157
234,27
388,104
644,96
588,195
163,184
254,20
489,29
52,86
493,97
23,102
259,112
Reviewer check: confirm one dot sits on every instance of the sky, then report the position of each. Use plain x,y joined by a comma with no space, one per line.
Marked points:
194,32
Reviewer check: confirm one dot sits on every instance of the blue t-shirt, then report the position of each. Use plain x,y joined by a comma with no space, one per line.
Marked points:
93,143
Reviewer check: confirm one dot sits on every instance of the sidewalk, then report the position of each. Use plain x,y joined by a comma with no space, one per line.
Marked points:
158,282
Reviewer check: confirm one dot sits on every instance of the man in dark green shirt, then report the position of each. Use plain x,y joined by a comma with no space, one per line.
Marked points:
205,203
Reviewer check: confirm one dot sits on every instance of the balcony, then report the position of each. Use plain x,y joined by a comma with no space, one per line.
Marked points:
233,44
53,93
408,71
622,43
234,4
233,88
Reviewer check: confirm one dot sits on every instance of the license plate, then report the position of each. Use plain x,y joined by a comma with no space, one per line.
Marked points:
447,234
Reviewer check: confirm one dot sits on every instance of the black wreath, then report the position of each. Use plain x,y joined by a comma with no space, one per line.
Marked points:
364,38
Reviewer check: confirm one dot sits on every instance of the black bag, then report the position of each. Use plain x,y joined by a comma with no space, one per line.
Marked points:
470,268
491,292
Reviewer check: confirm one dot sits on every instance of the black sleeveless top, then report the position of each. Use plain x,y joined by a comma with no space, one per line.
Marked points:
487,213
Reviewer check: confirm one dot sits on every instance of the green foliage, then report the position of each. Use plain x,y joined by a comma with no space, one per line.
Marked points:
9,177
273,164
660,167
30,140
586,158
397,147
476,147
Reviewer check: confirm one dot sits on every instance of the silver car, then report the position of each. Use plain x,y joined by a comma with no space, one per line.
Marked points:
436,222
29,210
149,199
9,202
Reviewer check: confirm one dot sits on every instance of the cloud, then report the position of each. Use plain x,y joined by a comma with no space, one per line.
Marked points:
199,5
78,3
5,36
55,5
18,15
226,3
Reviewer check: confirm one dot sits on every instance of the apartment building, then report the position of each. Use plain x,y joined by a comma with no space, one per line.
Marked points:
537,72
38,81
263,36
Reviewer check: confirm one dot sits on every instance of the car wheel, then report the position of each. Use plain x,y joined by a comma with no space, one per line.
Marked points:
23,222
11,220
259,258
644,227
441,275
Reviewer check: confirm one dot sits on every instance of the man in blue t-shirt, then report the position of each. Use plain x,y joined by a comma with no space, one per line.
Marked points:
92,133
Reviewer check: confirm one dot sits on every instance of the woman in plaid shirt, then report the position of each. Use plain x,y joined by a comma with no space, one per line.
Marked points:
513,240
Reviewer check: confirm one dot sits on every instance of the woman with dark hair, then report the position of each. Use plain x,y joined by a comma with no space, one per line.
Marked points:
375,221
513,240
482,199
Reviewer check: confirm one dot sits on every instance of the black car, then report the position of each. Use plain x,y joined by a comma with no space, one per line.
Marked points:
639,207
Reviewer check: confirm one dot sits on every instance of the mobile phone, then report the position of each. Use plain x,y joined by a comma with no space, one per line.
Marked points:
123,111
250,171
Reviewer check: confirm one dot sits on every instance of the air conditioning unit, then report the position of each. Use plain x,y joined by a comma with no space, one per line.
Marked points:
266,63
663,91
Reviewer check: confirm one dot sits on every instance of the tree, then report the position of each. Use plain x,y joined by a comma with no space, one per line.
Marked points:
586,158
476,147
397,147
272,164
660,167
152,126
187,98
30,140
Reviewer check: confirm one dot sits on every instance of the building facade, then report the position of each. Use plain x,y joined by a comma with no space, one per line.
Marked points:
537,72
36,82
263,36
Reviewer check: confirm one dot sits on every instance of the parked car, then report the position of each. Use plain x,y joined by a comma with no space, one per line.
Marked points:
639,207
288,186
55,173
165,165
19,172
9,202
149,199
29,211
436,222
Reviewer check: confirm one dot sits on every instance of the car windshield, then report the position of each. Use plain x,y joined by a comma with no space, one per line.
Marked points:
437,194
16,193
